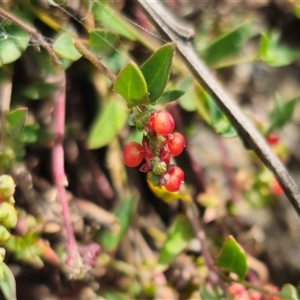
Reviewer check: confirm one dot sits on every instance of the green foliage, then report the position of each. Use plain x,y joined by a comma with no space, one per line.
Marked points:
142,86
233,258
105,15
64,47
211,294
125,212
111,119
103,42
289,292
13,43
169,96
282,113
113,295
275,54
16,121
26,249
156,70
132,86
7,282
8,220
189,100
179,236
215,117
228,45
40,90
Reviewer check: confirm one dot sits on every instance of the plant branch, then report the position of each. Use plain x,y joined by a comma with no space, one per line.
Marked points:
32,31
59,176
94,60
213,275
245,128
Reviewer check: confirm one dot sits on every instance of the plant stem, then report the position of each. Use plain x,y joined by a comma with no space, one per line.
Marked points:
32,31
59,176
94,60
213,275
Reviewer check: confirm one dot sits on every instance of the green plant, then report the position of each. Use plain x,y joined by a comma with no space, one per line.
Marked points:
74,102
8,220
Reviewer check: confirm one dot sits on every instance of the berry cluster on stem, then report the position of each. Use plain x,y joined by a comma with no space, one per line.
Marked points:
159,144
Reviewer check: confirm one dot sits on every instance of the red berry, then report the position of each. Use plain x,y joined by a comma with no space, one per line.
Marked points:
176,143
149,125
276,188
272,139
176,177
163,123
133,154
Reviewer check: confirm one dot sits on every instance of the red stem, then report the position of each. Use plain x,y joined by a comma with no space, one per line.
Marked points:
58,169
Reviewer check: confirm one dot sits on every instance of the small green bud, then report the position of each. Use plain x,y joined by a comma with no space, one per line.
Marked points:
7,187
4,235
153,178
8,215
131,119
159,168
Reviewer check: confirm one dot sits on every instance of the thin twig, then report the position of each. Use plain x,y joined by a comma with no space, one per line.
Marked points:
245,128
213,275
32,32
59,176
94,60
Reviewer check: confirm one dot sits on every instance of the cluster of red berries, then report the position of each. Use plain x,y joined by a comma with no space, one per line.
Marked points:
158,146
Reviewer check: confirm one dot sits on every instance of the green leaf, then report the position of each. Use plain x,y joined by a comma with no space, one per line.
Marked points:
13,43
109,18
64,47
212,293
189,99
169,96
288,292
103,42
233,258
297,10
132,86
275,54
179,236
16,121
228,45
40,90
31,134
282,113
7,283
156,70
217,118
113,295
125,213
111,119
